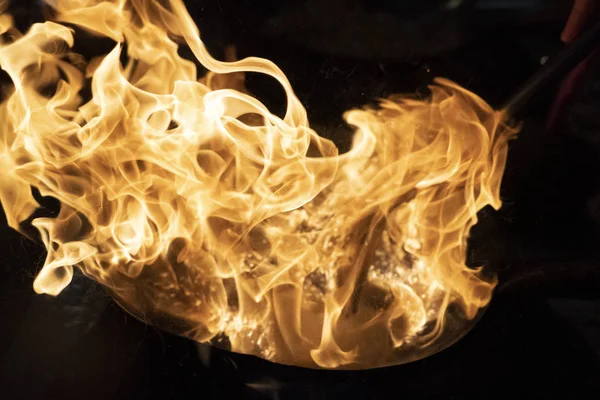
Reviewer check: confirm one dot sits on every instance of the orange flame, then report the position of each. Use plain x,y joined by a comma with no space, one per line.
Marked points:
208,215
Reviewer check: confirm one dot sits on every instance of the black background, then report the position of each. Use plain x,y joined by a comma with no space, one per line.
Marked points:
540,336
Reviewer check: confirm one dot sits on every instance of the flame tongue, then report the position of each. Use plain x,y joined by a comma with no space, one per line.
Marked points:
203,211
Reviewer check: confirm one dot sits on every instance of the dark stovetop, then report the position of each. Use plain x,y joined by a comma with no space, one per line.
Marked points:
541,334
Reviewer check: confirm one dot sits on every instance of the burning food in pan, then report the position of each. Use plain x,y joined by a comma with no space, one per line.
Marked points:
206,214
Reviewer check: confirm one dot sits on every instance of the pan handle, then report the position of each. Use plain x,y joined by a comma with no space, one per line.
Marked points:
553,71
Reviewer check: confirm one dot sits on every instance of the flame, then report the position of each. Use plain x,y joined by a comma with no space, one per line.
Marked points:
206,214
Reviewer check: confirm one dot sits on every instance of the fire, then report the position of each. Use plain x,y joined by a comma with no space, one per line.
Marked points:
206,214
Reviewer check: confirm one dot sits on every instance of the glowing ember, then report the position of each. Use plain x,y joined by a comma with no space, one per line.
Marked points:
207,215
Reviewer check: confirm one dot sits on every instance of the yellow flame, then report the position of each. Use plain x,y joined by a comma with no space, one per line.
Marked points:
206,214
